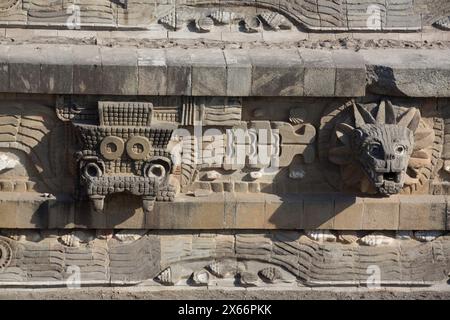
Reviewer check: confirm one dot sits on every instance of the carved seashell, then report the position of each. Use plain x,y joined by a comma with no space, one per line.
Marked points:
348,237
222,269
320,235
271,274
427,236
248,278
205,24
252,24
443,23
376,239
275,20
5,254
129,235
170,20
70,240
165,277
74,239
223,17
201,277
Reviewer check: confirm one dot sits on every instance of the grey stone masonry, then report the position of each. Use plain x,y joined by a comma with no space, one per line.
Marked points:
89,69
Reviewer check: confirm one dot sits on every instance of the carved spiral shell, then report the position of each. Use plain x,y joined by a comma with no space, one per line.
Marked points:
201,277
270,274
275,20
6,5
5,254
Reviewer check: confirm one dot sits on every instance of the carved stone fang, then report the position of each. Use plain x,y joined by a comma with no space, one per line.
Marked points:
98,202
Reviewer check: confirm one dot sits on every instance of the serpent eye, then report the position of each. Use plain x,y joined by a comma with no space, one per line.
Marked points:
400,150
375,150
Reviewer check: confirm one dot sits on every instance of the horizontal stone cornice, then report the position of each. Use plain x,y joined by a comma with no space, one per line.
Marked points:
86,69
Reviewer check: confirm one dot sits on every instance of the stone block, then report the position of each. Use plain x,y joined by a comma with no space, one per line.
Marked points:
350,74
424,212
318,211
152,72
23,211
250,211
239,73
320,73
276,72
401,72
87,70
4,69
381,213
209,74
57,70
283,212
25,68
179,72
119,71
348,212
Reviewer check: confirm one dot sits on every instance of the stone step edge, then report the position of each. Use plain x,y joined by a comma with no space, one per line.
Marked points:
234,211
130,71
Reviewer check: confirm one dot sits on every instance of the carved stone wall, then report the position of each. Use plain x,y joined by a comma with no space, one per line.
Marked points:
229,143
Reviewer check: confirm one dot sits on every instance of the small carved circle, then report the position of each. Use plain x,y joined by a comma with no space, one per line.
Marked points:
138,148
157,171
205,24
92,170
5,254
112,147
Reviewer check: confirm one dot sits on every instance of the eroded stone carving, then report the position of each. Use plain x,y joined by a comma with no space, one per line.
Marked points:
33,155
243,259
443,23
124,152
205,15
5,254
380,148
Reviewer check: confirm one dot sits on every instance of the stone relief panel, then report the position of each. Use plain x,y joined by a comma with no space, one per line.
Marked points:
100,151
243,259
34,151
246,16
381,148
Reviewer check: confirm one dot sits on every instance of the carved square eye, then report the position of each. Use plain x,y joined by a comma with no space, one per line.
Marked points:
400,150
375,150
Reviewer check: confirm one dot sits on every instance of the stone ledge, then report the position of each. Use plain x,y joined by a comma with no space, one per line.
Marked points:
76,69
233,211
